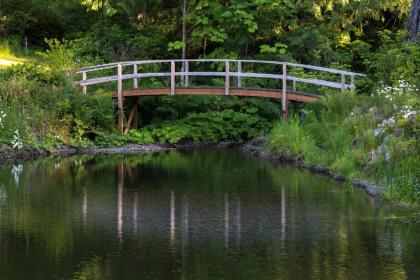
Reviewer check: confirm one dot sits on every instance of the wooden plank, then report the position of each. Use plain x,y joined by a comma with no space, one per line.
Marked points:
227,78
173,77
242,92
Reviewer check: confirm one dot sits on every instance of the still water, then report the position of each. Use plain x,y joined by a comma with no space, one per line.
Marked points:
201,214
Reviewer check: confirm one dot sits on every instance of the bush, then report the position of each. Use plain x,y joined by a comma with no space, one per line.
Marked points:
33,71
212,126
405,189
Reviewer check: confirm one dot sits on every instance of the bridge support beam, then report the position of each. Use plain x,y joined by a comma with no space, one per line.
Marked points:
120,100
132,118
284,94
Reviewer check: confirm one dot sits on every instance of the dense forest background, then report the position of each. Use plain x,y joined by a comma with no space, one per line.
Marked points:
325,32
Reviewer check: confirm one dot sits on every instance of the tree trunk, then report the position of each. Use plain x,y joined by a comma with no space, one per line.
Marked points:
184,36
184,28
414,21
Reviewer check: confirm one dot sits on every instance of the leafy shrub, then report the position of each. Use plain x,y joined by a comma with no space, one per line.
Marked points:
117,140
59,56
405,189
212,126
34,72
404,63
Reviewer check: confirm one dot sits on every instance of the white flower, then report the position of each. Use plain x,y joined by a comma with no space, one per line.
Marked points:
16,143
378,132
390,121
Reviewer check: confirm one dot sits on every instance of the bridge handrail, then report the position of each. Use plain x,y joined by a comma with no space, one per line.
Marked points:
114,78
141,62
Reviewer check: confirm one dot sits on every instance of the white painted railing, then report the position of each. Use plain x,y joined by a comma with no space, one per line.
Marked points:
185,73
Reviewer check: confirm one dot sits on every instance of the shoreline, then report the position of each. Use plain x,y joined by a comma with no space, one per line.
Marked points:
255,147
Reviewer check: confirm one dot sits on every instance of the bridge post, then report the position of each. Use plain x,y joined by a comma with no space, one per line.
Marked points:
135,80
120,101
173,77
294,85
343,83
352,81
239,73
227,78
284,93
84,78
187,77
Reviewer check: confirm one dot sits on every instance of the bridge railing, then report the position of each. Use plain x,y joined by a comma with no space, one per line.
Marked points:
347,78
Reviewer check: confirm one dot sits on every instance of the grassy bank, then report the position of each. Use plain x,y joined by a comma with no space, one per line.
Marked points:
374,137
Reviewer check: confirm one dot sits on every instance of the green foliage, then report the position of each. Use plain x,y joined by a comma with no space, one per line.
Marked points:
404,63
46,110
143,137
33,72
212,126
59,56
405,189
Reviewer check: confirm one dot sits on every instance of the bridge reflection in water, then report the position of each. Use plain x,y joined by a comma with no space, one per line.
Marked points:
128,208
177,221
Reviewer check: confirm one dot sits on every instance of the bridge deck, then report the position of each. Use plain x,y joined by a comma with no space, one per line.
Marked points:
244,92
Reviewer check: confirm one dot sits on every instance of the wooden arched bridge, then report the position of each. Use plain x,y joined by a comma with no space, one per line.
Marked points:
233,78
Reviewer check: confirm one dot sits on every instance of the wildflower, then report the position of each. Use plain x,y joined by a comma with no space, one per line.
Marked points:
390,121
2,116
378,131
16,143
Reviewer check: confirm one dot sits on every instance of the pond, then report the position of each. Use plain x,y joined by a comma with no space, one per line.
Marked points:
200,214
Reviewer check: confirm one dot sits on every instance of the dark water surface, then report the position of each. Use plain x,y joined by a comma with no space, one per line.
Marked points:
202,214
